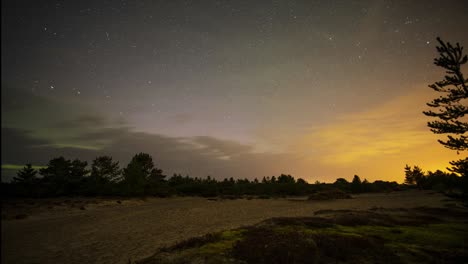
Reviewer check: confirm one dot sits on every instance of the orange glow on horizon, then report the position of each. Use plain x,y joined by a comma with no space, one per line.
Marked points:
376,144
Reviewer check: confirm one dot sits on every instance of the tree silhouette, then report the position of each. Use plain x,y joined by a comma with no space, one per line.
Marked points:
56,168
55,175
301,181
341,183
105,173
156,182
356,184
134,178
414,176
26,181
27,175
64,177
273,179
141,177
451,107
283,178
78,170
460,166
104,169
140,174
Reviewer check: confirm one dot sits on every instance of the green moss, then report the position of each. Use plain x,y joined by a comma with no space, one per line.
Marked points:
227,240
220,247
413,244
288,229
233,234
443,235
430,243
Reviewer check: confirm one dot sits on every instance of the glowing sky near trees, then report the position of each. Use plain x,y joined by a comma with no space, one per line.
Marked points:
244,89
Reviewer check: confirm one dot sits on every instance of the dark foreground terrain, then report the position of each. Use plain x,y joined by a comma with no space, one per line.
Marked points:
417,235
370,228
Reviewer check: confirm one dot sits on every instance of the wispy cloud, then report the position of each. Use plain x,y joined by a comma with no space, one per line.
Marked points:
390,134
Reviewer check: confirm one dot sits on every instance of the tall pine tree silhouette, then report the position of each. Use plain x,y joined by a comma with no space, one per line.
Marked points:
451,106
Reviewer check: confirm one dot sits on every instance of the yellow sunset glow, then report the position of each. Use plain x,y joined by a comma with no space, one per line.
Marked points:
379,142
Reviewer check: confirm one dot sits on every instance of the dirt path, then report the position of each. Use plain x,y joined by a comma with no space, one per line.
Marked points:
115,233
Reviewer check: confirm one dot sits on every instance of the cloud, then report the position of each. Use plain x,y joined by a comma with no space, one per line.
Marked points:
181,118
384,129
196,156
375,144
83,121
380,141
18,167
20,147
49,119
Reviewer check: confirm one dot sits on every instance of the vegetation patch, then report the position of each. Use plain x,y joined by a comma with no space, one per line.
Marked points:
362,237
329,195
267,245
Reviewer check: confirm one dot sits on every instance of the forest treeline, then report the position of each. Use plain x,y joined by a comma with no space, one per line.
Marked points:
63,177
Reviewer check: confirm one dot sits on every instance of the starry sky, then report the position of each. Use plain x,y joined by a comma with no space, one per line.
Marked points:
243,89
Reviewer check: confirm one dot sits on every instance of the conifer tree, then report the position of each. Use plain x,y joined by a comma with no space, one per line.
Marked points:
452,105
105,169
27,175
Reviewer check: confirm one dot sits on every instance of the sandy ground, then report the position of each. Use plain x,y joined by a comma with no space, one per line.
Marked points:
58,231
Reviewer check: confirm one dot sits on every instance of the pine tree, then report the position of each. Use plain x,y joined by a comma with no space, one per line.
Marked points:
27,175
414,176
105,170
356,184
141,173
63,176
451,107
134,178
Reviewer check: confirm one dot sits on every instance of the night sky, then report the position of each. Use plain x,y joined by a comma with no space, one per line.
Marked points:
243,89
